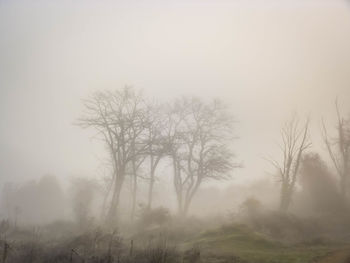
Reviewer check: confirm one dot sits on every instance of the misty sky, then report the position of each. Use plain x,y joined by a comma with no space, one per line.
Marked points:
266,59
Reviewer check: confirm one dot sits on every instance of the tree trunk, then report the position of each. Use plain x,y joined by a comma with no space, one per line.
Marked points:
343,187
134,189
189,197
180,209
177,185
151,183
186,207
150,190
112,213
134,193
285,198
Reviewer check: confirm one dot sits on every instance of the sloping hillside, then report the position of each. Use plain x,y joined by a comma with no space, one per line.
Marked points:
244,245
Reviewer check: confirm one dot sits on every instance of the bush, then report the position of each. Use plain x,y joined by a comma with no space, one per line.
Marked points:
154,217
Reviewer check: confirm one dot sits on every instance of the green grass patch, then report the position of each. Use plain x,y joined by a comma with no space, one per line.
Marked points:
250,246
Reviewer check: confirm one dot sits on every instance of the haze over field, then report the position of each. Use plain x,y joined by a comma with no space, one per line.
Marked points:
175,131
265,59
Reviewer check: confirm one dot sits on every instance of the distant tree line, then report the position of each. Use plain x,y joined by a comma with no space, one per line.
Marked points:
39,201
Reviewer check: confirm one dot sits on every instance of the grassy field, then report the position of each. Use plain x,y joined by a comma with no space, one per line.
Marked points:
226,244
239,242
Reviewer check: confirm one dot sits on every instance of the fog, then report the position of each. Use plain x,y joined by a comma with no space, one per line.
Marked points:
259,57
267,61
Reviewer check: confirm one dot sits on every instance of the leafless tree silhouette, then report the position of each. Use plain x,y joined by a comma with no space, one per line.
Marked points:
339,150
200,135
294,143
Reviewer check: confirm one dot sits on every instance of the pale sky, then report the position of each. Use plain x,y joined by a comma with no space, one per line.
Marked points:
265,59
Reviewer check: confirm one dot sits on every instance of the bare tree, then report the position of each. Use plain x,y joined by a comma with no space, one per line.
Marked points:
135,167
294,143
339,150
196,135
156,144
154,148
118,117
199,135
